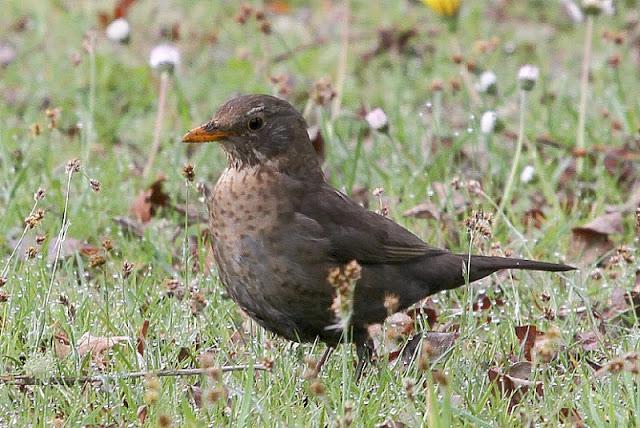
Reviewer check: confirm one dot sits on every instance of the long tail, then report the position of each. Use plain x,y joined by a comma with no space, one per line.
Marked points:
446,271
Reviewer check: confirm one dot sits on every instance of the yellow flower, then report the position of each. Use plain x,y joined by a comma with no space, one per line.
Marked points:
444,7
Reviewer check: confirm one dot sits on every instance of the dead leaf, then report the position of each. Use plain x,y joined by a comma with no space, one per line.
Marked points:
438,343
97,345
141,337
70,246
588,340
527,335
141,414
145,205
426,309
591,241
511,385
423,210
7,54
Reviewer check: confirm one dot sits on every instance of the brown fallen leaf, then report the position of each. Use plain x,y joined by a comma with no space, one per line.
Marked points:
591,241
97,346
145,205
515,382
437,344
527,335
142,337
70,246
423,210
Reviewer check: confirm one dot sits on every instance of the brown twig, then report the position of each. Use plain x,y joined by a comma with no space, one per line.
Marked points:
155,147
71,380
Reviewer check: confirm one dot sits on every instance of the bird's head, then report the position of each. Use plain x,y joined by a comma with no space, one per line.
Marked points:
259,129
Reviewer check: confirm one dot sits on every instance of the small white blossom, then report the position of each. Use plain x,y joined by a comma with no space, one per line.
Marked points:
487,82
377,119
164,56
527,174
573,11
119,30
488,122
527,76
596,7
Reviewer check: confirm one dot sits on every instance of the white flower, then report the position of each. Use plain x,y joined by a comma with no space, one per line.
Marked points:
595,7
487,82
164,56
573,11
488,122
377,119
118,30
527,76
527,174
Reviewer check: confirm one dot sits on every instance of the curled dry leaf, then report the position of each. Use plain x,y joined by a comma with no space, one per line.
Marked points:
527,335
145,205
97,346
438,343
515,382
591,241
424,210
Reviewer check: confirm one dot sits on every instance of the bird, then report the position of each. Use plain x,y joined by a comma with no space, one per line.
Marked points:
279,228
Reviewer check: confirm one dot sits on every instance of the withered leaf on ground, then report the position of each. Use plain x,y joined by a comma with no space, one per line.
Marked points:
145,205
423,210
527,335
591,241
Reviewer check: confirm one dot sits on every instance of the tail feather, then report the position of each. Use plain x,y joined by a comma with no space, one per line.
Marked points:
482,266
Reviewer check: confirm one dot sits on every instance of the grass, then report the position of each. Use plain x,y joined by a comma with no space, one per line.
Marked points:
113,94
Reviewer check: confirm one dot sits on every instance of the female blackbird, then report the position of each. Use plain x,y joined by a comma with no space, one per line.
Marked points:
279,228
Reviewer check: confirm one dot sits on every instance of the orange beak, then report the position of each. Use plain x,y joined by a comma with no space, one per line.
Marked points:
205,133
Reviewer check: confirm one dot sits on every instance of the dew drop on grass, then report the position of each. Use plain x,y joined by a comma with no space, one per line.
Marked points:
469,130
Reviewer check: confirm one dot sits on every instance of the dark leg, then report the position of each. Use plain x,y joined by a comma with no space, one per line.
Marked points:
325,356
364,351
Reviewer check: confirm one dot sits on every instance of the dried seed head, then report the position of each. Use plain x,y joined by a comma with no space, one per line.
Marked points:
391,302
95,185
107,244
437,85
164,421
409,388
188,172
73,166
34,219
39,195
40,239
127,268
4,297
197,302
35,129
317,388
480,223
3,281
216,394
97,260
206,360
322,92
265,27
31,252
174,288
440,378
52,115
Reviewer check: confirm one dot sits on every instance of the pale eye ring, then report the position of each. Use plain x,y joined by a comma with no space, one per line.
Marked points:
255,123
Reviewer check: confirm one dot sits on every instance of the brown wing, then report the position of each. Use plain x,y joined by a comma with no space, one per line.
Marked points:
357,233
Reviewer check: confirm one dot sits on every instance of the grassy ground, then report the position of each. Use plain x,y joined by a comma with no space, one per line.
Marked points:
107,96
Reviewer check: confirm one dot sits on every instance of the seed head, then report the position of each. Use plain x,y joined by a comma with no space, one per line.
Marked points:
188,172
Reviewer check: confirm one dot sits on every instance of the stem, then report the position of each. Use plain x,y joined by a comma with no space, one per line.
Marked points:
155,147
584,89
62,234
506,195
70,380
342,61
464,74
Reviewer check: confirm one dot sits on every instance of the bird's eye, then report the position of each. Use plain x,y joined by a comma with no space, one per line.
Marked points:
255,123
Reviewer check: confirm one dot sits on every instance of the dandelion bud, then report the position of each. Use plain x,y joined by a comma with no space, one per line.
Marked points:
528,172
487,83
527,76
488,122
377,119
119,31
164,57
